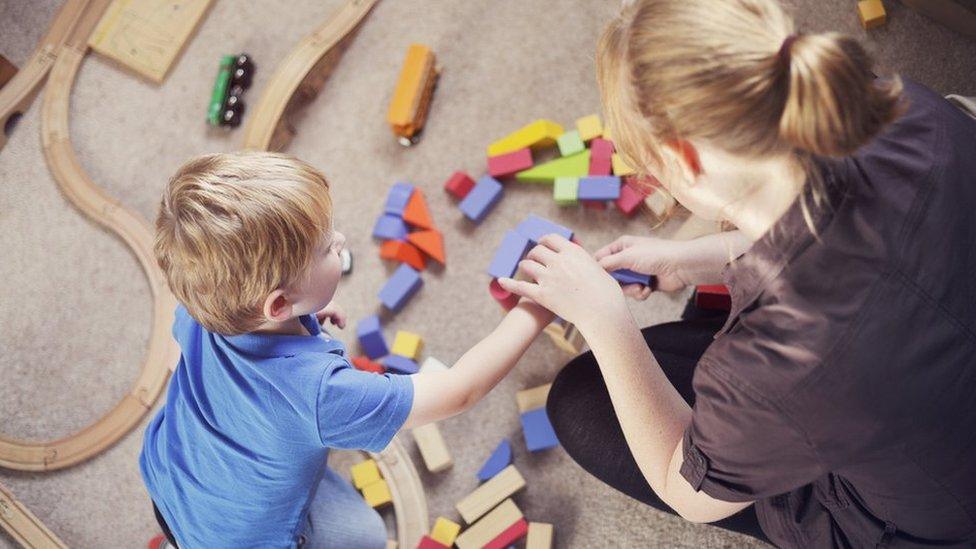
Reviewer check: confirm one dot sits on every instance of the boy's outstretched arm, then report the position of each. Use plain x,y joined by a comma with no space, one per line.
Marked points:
437,395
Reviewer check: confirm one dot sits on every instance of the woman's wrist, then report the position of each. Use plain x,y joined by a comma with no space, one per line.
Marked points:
607,320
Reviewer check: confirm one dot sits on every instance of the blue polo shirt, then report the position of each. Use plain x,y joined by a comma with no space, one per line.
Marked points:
238,449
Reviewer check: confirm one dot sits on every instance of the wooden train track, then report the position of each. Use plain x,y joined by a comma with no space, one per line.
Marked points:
409,501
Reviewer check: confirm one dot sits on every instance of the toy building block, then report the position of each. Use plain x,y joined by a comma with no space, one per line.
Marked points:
482,198
659,203
871,13
601,148
538,431
400,287
389,227
631,197
430,242
459,185
404,252
589,127
510,163
365,473
391,544
540,536
496,530
428,542
445,531
505,298
482,499
346,257
413,92
538,134
432,447
401,365
407,344
570,143
370,335
431,364
601,188
577,165
626,276
365,364
512,249
499,459
714,297
566,337
594,204
377,494
397,198
565,191
535,227
531,399
415,213
7,70
620,166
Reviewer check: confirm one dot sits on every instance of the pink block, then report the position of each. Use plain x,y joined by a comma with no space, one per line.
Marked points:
459,185
631,197
509,163
511,534
600,166
594,204
506,299
601,148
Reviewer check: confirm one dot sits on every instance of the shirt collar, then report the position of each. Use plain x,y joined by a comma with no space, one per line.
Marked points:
281,345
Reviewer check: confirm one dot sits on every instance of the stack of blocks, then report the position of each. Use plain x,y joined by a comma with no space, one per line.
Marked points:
442,535
366,478
493,518
429,440
538,431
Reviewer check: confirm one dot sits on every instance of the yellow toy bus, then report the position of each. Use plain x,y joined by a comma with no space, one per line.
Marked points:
411,99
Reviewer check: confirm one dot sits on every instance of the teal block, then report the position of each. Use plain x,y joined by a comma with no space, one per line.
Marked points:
565,191
570,143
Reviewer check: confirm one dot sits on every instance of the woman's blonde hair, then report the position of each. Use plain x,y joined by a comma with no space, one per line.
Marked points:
714,70
234,227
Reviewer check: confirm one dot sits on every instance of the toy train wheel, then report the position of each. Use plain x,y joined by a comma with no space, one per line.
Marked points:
233,114
243,73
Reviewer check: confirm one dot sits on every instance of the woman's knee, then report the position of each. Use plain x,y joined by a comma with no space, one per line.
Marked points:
575,399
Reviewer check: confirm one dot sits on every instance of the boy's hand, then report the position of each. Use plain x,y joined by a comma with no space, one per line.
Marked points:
334,314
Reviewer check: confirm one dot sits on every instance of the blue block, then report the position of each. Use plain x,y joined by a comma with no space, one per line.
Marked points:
535,227
370,336
397,198
389,227
513,247
500,458
482,198
599,188
400,287
626,276
401,364
539,433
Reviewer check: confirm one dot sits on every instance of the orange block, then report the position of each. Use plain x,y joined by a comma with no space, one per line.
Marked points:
416,212
365,364
404,252
430,242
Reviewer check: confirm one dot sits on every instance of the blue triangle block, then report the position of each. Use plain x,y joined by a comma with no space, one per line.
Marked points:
538,431
499,459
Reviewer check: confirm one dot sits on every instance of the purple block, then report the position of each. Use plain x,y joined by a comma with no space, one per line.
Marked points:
535,227
626,276
389,227
401,364
482,198
538,431
397,198
599,188
370,336
400,287
500,458
513,247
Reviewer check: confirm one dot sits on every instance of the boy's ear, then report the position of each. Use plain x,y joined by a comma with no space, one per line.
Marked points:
688,154
277,308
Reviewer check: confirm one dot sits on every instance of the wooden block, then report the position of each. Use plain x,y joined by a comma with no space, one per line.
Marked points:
714,297
565,191
400,287
432,448
401,365
428,542
489,494
538,431
589,127
537,134
377,494
7,70
510,163
871,13
407,344
570,143
147,35
530,399
459,185
577,165
659,203
430,242
365,473
414,88
416,213
445,531
365,364
482,198
391,544
370,334
404,252
499,459
631,197
506,299
620,166
492,527
565,337
540,536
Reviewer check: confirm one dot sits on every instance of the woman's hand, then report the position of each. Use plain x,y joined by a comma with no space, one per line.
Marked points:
334,314
567,281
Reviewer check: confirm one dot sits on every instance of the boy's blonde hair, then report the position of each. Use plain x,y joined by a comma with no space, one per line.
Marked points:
234,227
713,69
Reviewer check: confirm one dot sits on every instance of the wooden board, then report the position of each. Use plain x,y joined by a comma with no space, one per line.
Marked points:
147,36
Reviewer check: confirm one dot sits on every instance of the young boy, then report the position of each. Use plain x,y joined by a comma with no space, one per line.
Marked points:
237,455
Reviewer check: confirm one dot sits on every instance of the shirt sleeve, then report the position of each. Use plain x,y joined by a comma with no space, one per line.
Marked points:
361,410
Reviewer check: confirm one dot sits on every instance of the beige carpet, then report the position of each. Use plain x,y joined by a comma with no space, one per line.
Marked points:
75,305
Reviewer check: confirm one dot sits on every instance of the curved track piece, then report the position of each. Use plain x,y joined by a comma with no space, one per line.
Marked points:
23,526
18,94
409,500
300,76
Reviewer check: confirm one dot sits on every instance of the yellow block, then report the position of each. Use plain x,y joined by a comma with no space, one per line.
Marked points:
541,133
377,494
364,473
871,13
589,127
621,168
445,531
407,344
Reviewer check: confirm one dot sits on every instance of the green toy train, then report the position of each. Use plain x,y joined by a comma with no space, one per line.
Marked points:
234,76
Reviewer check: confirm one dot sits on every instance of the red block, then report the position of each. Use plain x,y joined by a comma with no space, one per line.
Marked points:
506,299
594,204
600,166
459,185
713,297
427,542
511,534
365,364
509,163
631,197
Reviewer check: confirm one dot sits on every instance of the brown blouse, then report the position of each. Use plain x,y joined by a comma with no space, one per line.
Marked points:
841,395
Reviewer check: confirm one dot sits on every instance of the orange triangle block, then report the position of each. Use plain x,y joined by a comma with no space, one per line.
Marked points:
430,242
403,252
416,212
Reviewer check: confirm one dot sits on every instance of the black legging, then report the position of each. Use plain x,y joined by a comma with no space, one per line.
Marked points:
581,413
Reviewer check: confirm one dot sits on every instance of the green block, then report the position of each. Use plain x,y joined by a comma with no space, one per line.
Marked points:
577,165
565,191
570,143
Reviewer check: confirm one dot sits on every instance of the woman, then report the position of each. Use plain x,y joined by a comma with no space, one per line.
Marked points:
836,405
